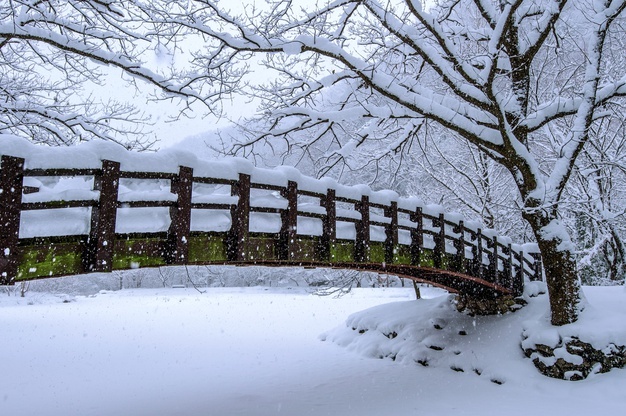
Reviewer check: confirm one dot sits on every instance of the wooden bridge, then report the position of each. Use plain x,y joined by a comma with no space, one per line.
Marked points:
239,221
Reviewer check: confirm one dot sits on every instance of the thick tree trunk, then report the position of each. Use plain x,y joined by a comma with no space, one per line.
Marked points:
563,284
560,270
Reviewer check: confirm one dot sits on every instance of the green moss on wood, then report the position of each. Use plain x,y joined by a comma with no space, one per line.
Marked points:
138,252
207,248
49,260
261,248
306,249
377,252
402,255
342,251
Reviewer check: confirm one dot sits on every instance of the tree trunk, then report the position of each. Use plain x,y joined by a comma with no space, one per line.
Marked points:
560,270
563,284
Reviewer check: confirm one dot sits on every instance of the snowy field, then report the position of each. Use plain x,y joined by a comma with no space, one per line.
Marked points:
259,351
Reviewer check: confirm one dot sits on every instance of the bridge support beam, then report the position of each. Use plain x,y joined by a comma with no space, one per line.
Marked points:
11,186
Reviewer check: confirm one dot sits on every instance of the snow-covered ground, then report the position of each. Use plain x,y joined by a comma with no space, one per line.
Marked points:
260,351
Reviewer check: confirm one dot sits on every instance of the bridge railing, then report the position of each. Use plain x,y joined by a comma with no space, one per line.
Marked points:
292,226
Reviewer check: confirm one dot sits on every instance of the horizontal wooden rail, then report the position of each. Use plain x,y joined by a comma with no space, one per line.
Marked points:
424,243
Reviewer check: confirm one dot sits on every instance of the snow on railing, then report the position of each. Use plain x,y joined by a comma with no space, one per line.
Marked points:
101,192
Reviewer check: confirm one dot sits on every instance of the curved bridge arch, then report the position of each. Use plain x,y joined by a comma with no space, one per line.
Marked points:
258,222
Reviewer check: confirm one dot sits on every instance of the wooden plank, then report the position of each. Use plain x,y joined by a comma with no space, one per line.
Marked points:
214,181
180,214
31,206
209,205
62,172
11,183
99,255
148,175
145,204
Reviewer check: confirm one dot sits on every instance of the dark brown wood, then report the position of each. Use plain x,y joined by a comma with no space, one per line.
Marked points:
209,205
32,206
537,267
493,261
62,172
518,278
275,249
459,245
440,241
30,189
508,266
417,237
11,187
267,210
180,215
149,175
145,204
213,181
289,223
391,231
362,243
477,252
99,255
240,228
329,225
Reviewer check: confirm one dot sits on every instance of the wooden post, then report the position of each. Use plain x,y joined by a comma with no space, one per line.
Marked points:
538,269
440,242
508,267
493,260
459,245
518,280
289,223
11,186
180,215
240,228
391,232
417,237
329,226
99,256
362,243
477,253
